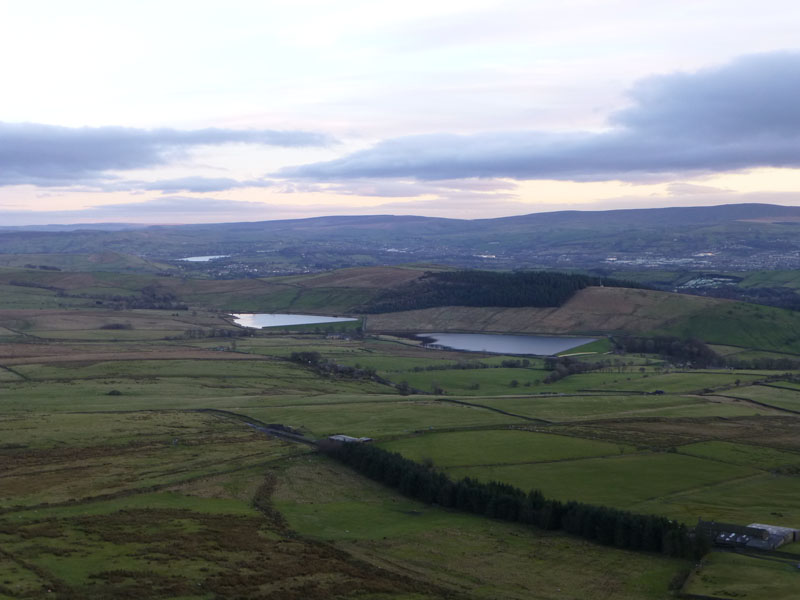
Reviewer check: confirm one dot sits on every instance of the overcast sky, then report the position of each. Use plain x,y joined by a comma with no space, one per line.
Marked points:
177,112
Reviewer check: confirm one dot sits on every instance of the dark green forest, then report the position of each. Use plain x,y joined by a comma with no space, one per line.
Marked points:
489,288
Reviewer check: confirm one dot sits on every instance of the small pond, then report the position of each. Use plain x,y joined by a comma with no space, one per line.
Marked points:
505,344
259,320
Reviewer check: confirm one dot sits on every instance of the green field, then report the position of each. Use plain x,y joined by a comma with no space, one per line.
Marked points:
728,575
620,481
781,397
117,482
600,406
498,448
746,325
741,454
380,419
327,502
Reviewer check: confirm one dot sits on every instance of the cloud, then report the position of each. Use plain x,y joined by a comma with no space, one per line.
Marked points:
740,115
691,189
163,210
478,188
183,209
197,184
51,155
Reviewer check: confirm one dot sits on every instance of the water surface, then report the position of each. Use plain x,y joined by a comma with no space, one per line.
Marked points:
278,319
541,345
204,258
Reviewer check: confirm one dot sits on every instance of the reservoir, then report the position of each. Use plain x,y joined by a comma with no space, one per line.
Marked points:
204,258
506,344
259,320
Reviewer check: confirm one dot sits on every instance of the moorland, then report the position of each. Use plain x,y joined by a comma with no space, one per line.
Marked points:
153,448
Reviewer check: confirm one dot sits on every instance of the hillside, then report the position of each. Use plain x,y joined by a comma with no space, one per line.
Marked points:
742,236
603,310
125,428
595,310
540,289
591,310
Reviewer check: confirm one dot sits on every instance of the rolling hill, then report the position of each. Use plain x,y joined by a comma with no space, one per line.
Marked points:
592,310
739,236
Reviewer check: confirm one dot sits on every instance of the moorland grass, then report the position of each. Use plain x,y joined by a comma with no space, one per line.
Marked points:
728,575
380,419
560,408
742,454
673,383
782,397
178,393
762,498
621,481
739,324
498,447
484,558
179,475
498,381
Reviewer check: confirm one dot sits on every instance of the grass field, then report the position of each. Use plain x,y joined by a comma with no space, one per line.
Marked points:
739,324
782,397
380,419
762,498
480,558
499,448
742,454
113,485
726,575
601,406
620,481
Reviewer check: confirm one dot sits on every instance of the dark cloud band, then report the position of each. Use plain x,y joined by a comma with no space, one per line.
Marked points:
51,155
741,115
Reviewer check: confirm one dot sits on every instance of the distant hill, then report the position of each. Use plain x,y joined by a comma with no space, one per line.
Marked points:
734,237
590,310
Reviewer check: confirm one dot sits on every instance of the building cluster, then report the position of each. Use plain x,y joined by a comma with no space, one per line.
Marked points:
756,535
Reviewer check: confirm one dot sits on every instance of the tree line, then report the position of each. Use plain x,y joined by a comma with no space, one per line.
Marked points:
323,366
488,288
693,352
698,355
563,366
608,526
467,365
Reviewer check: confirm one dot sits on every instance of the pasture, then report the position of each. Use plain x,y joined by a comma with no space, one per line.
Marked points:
108,457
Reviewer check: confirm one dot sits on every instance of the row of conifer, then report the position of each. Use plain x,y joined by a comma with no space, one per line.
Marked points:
608,526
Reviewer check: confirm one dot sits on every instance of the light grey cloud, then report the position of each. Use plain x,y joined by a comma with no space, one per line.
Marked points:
691,189
162,210
52,155
183,209
740,115
197,184
391,188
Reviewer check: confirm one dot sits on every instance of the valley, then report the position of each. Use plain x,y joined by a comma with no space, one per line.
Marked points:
129,467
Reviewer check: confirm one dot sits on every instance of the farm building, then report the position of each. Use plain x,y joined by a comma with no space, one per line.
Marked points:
788,534
755,535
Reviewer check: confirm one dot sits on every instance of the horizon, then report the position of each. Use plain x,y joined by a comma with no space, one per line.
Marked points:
285,110
120,224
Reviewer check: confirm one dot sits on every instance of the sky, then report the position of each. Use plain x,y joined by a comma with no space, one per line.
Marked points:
189,112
